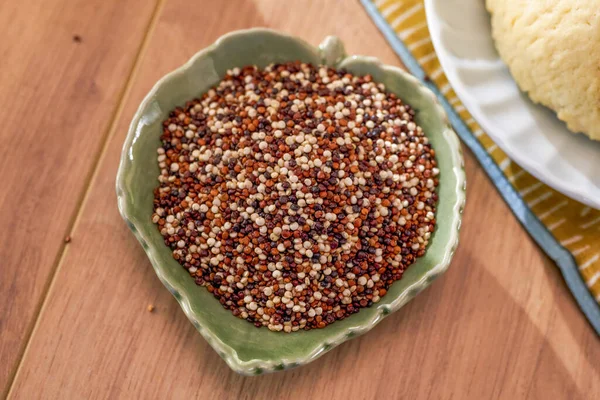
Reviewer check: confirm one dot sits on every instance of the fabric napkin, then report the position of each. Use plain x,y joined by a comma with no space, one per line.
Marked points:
568,231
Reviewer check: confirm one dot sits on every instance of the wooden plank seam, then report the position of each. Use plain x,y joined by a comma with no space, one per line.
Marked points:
116,115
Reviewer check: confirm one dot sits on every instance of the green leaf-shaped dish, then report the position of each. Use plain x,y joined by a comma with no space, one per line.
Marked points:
245,348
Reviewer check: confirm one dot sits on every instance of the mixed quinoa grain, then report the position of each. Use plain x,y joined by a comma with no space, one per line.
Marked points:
295,194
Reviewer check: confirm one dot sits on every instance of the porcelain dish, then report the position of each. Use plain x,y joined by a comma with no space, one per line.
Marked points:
247,349
530,134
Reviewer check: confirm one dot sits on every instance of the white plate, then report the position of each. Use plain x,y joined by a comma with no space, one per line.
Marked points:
530,134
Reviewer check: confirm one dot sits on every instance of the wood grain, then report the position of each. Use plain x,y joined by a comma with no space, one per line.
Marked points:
499,324
64,67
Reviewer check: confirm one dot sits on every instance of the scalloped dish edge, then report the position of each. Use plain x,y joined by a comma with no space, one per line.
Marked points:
330,47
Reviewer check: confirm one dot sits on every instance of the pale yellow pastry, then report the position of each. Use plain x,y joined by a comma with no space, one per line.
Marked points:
552,48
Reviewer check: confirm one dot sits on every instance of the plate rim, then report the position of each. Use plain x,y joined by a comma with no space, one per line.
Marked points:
578,193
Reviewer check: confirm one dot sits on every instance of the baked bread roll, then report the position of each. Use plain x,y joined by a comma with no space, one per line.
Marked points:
552,48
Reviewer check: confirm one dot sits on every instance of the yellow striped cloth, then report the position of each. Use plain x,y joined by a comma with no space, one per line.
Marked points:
575,226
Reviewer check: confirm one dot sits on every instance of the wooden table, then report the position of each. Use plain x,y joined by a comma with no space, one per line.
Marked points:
73,316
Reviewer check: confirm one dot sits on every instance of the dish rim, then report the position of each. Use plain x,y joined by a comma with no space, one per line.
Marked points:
330,50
